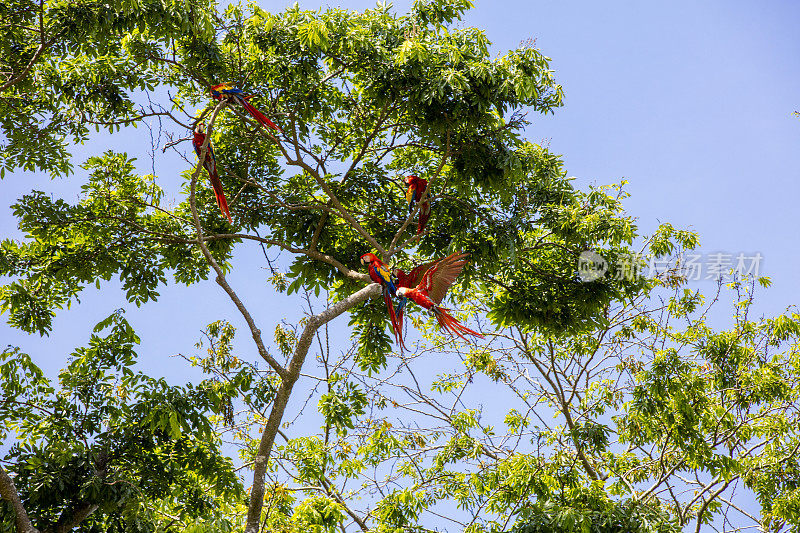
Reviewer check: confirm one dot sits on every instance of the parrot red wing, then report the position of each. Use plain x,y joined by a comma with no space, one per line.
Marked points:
437,280
432,288
234,94
210,164
413,278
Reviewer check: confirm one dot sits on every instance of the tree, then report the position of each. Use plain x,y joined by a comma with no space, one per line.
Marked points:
361,98
112,449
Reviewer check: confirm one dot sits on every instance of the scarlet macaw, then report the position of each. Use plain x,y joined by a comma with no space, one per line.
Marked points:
432,289
210,164
416,187
409,280
234,94
380,273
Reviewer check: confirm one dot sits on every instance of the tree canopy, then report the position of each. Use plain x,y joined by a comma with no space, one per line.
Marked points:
616,407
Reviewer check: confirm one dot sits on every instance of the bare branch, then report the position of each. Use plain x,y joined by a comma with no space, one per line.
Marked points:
254,331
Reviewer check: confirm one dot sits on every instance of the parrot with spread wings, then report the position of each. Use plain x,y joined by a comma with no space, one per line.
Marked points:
236,95
432,288
210,164
409,280
416,188
390,281
426,285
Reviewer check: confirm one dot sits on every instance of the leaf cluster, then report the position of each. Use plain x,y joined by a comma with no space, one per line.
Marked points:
130,449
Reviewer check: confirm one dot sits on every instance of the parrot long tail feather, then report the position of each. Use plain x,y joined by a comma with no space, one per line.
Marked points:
219,193
447,322
209,163
258,115
398,312
424,215
398,333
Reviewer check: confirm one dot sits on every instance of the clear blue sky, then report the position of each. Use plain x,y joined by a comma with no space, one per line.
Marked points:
690,101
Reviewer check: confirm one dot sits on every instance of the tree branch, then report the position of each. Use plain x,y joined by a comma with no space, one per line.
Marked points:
288,376
299,162
313,254
282,397
221,281
9,492
67,522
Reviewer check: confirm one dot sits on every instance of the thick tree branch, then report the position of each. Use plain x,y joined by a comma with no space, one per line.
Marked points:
68,521
15,80
284,392
288,376
318,231
9,492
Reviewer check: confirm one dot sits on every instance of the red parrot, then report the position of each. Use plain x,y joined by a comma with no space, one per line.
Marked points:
210,164
432,289
409,280
416,187
379,273
234,94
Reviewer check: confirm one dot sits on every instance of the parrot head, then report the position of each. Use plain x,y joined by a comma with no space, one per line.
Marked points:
411,180
368,259
401,292
200,127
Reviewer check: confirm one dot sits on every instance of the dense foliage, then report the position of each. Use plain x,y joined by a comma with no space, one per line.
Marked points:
112,449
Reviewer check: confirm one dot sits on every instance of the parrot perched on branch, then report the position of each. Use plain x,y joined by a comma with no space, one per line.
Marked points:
432,289
380,273
210,164
416,188
234,94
